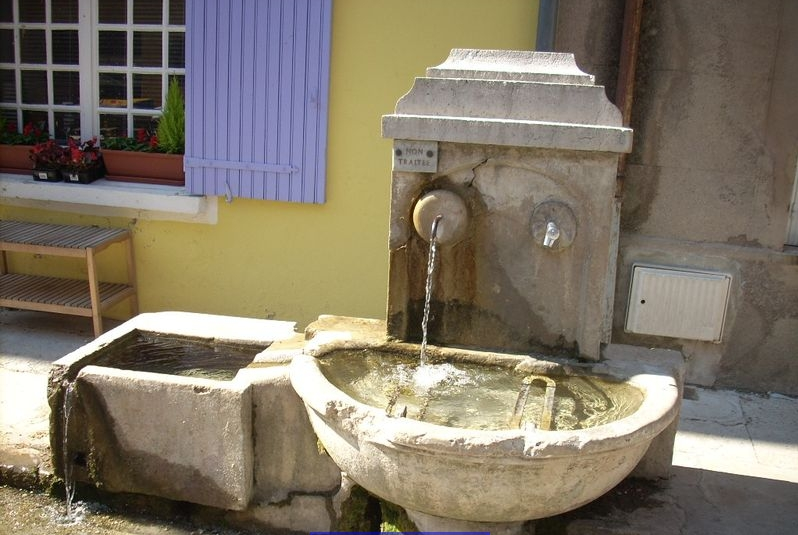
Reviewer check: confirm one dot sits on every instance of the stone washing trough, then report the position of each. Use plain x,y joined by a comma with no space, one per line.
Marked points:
211,441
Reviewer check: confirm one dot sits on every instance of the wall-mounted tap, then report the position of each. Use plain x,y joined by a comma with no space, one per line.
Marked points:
553,225
552,234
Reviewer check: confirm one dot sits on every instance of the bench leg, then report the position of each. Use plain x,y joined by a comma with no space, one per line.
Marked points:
131,277
94,292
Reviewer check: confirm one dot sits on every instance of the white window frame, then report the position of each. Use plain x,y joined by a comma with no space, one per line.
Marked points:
89,69
48,67
130,70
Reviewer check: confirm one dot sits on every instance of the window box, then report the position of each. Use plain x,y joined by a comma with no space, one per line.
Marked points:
144,167
15,159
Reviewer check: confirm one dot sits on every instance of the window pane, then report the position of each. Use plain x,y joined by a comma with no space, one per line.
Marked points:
66,87
33,47
147,11
181,82
37,118
64,11
113,125
177,50
147,49
7,46
8,86
113,90
177,12
113,48
65,47
6,11
66,124
34,87
147,91
149,123
31,11
11,118
113,11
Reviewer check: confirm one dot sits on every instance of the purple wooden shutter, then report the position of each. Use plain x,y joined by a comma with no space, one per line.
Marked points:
257,84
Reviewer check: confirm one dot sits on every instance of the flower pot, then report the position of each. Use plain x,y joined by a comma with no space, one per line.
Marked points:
15,159
146,167
83,177
47,175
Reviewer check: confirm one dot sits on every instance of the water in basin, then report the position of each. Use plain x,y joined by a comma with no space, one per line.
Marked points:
475,396
176,355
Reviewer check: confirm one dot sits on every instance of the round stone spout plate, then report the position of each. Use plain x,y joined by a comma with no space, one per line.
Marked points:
454,223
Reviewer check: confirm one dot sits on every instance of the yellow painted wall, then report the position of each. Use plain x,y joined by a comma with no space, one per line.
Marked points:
289,261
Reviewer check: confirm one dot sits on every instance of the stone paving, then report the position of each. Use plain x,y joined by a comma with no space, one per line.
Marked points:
735,460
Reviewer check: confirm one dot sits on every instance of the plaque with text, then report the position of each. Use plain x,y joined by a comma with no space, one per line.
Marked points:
415,156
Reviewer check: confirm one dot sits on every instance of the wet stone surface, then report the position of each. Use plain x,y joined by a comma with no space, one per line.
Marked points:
25,512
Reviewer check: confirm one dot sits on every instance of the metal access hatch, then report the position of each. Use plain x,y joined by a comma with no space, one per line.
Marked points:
679,303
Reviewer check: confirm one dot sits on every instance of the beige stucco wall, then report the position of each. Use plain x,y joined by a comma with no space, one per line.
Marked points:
709,181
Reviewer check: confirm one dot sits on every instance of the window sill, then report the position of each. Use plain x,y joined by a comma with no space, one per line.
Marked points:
106,198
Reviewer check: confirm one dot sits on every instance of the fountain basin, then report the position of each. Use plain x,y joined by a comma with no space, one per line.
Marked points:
483,475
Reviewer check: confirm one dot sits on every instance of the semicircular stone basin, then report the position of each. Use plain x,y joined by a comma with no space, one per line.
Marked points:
479,436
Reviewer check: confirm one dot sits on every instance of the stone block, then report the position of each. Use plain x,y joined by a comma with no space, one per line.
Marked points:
287,456
180,438
658,459
302,514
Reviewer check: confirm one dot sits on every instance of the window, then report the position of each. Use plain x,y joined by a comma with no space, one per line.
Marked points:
86,68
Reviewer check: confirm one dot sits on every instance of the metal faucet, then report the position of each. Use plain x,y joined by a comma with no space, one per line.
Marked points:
552,234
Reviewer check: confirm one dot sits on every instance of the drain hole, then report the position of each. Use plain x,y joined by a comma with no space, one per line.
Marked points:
79,459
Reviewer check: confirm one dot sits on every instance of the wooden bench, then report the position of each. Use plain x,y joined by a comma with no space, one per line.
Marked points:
65,296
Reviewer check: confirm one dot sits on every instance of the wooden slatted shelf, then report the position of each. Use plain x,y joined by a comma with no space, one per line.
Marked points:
89,298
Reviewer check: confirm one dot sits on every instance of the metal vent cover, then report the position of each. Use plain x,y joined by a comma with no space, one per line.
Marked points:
679,303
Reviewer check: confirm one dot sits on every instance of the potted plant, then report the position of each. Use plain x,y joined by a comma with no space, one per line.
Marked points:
151,157
15,146
47,158
172,125
82,162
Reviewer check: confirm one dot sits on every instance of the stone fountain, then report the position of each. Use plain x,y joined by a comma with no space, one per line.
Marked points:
504,163
518,152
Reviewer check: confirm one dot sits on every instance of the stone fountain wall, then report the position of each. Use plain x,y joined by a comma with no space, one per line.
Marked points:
524,138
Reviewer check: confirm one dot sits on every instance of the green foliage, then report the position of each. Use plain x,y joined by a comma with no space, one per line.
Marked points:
171,131
395,519
143,142
31,133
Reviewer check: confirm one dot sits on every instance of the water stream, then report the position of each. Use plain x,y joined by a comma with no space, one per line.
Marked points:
69,483
433,246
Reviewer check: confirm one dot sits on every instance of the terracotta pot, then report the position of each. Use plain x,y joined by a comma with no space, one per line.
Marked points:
15,159
145,167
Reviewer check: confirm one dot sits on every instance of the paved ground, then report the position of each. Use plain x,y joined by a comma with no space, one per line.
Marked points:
736,458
